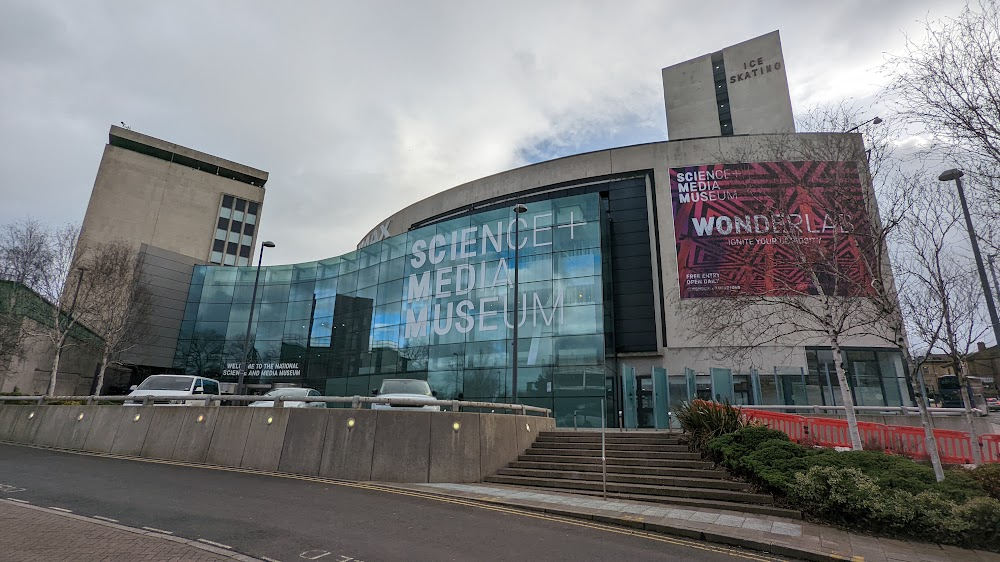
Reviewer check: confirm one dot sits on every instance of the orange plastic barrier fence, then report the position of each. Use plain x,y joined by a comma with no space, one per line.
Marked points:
793,426
829,432
955,447
990,447
907,440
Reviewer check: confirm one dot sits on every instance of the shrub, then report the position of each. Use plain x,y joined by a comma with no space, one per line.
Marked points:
988,476
841,495
728,449
707,420
774,464
898,472
982,518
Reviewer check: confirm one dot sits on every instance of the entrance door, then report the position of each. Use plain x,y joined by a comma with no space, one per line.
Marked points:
644,400
612,401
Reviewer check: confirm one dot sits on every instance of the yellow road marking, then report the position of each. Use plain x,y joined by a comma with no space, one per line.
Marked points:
445,499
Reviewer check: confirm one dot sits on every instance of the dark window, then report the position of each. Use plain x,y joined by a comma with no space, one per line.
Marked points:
223,223
245,251
227,201
231,248
236,226
241,204
252,207
248,229
218,245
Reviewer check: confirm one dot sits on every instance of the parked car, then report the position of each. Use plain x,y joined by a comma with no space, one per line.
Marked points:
415,390
993,404
172,385
288,398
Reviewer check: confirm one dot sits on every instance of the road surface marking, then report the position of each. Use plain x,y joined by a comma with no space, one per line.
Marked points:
314,554
218,544
60,509
155,530
265,558
8,489
108,519
760,557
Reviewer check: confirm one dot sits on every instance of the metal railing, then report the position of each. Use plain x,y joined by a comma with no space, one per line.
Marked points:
356,402
882,410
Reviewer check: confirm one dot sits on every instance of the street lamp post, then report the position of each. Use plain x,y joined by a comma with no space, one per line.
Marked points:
873,120
518,209
253,301
956,175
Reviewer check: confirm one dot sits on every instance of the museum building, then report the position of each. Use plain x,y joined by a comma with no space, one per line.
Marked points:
612,248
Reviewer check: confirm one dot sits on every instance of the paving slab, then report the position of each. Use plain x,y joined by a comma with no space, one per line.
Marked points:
768,533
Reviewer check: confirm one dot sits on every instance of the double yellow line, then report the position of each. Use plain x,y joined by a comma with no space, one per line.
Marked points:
478,504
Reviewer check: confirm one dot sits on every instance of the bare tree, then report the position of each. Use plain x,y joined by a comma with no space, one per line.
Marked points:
810,278
62,284
119,302
948,83
24,256
924,256
943,296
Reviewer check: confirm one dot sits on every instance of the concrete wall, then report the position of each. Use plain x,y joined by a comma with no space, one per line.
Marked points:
169,277
143,199
363,445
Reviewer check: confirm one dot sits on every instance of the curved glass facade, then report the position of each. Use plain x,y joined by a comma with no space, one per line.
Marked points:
435,303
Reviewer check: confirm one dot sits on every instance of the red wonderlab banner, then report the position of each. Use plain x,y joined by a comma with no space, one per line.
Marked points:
769,228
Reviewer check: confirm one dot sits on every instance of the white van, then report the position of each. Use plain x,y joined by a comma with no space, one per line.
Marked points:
173,385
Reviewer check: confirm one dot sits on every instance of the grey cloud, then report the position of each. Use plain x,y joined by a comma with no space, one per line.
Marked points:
358,109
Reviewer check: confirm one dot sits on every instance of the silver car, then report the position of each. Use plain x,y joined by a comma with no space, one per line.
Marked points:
415,391
288,398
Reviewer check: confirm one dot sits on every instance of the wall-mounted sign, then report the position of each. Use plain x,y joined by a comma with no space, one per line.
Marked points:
770,228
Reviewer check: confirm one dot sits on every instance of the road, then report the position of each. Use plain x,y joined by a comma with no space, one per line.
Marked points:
295,519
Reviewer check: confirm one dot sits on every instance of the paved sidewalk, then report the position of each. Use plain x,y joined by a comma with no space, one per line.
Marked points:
29,533
777,535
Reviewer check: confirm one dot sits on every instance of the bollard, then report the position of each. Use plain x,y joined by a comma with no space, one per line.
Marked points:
356,402
278,402
455,407
574,420
146,400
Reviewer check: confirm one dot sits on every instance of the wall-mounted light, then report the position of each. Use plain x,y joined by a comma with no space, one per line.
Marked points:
527,427
79,417
200,418
456,426
31,415
350,423
270,419
136,417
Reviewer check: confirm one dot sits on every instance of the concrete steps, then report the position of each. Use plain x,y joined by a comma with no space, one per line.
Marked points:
618,478
620,469
545,449
646,489
531,456
645,466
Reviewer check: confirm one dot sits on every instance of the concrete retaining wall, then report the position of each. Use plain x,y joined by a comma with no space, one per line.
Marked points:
363,445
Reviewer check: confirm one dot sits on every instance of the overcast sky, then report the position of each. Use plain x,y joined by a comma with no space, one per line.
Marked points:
358,109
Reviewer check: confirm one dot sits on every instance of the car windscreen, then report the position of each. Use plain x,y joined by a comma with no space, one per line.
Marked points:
405,387
166,382
288,392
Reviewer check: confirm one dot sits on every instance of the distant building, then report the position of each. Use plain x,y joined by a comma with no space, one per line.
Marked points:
153,192
24,310
739,90
936,365
180,208
985,364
